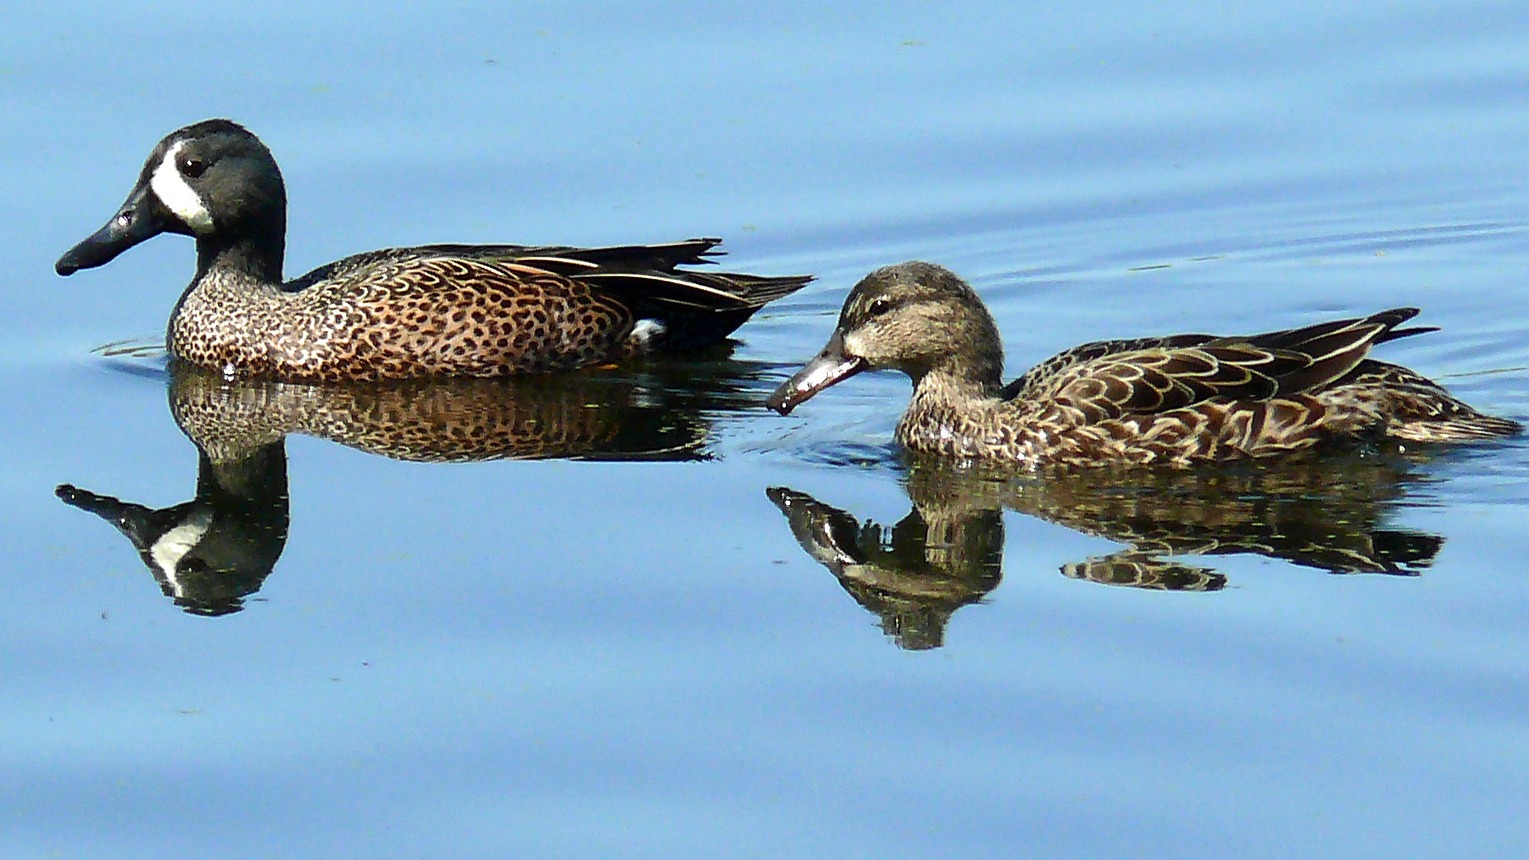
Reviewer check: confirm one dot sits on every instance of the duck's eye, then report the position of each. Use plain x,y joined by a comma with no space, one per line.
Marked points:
878,306
191,166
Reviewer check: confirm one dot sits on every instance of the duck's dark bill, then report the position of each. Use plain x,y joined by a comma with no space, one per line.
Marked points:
141,217
828,367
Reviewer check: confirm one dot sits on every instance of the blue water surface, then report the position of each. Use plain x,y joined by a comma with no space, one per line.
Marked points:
565,658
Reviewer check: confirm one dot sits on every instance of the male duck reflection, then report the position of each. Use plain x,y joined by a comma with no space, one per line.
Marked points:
210,553
1176,399
433,310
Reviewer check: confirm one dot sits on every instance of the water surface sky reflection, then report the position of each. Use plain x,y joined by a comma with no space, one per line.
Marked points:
578,656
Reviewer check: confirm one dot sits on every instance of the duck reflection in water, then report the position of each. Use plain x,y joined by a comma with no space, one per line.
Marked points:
1323,513
212,552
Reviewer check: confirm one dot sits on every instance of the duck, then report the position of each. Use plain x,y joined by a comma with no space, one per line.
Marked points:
426,311
1177,399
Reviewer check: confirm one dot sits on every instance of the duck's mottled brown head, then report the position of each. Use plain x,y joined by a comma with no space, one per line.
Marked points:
914,317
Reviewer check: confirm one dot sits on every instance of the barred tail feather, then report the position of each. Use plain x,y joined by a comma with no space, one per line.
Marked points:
1455,428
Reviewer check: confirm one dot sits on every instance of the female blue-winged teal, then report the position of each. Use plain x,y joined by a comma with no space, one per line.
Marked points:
1176,399
433,310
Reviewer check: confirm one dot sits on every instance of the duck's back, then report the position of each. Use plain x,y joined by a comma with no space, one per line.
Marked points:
1201,397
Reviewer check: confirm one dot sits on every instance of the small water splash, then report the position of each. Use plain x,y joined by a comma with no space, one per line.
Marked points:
852,454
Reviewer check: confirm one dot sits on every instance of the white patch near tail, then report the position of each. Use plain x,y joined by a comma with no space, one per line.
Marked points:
173,191
646,331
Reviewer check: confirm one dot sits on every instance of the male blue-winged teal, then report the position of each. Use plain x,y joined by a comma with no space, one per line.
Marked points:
1176,399
433,310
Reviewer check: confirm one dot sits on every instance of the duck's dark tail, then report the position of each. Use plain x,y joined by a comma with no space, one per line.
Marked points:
688,324
759,290
677,309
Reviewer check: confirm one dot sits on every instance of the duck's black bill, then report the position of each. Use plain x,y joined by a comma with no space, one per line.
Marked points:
828,367
130,519
141,217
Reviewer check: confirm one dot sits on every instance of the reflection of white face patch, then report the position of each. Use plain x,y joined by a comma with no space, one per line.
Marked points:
174,544
171,189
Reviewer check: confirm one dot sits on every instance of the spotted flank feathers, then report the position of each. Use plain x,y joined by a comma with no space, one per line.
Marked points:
434,310
1177,399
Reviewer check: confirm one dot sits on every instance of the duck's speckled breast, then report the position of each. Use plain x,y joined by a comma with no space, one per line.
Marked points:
974,429
424,317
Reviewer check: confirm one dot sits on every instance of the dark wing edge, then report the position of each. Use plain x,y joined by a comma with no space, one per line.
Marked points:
641,273
1110,379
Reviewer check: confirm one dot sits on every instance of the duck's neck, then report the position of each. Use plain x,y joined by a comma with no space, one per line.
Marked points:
968,377
953,409
950,389
257,256
228,315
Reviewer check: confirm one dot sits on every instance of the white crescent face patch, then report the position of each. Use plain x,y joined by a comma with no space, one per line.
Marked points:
171,189
176,543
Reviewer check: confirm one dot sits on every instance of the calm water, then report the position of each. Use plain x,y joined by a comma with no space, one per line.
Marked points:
747,636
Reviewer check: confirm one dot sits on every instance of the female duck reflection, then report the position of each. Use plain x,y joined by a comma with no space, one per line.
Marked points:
948,551
210,553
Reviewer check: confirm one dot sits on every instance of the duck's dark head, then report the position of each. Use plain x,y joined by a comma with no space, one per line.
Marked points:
914,317
214,181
